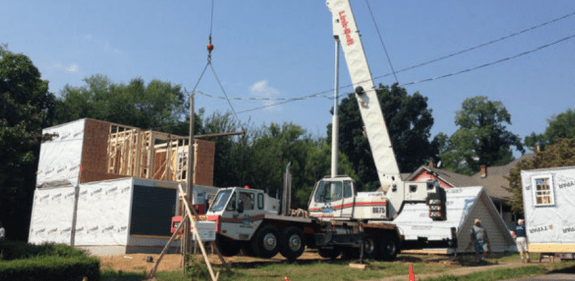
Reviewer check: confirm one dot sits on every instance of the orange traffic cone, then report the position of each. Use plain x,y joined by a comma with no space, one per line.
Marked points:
287,279
411,275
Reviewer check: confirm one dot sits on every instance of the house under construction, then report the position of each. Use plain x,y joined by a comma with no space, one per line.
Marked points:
111,188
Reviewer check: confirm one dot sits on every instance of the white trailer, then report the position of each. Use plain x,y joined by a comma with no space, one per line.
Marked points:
549,206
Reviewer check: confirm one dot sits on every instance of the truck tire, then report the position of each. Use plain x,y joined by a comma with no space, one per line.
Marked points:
267,242
228,247
388,248
371,248
330,253
293,243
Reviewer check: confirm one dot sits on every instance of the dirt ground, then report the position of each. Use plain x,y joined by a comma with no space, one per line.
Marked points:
138,262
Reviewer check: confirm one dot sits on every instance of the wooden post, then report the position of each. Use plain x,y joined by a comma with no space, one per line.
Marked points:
192,218
153,271
190,186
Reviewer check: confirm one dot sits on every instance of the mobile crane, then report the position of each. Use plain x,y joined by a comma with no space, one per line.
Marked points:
341,218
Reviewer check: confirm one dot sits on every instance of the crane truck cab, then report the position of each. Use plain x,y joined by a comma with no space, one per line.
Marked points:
239,211
338,198
242,219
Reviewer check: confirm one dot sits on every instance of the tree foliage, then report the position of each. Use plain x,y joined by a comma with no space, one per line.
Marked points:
560,154
408,121
158,105
26,107
560,126
259,158
482,137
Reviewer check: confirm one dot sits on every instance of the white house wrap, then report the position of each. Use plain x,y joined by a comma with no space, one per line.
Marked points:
463,204
549,206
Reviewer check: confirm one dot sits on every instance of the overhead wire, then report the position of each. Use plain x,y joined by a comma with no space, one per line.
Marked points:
492,63
424,80
381,42
478,46
323,94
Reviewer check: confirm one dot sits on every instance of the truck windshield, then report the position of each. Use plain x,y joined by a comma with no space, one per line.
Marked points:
221,200
328,191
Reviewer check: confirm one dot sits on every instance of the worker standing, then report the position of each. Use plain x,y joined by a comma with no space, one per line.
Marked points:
521,241
480,241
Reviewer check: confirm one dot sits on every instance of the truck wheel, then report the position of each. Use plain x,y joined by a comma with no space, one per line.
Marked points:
388,248
293,243
228,247
371,248
267,242
330,253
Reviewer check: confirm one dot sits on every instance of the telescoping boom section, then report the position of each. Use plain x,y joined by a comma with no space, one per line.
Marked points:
394,191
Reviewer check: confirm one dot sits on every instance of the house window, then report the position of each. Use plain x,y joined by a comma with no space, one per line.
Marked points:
543,189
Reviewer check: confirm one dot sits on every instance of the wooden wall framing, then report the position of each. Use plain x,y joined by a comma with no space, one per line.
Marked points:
147,154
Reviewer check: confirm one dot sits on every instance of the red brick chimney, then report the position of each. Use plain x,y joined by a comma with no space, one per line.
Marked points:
483,171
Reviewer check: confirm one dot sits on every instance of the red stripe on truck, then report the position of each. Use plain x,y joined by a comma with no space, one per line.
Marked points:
349,205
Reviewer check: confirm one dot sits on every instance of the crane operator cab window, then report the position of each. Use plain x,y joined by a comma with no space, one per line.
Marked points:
332,191
328,192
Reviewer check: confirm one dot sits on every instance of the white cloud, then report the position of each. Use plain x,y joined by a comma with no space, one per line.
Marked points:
262,90
73,68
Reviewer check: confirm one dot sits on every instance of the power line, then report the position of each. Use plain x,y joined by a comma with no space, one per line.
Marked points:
478,46
491,63
433,78
318,95
323,94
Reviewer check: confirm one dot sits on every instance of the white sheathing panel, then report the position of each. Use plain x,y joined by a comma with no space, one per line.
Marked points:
550,224
103,215
60,157
51,219
463,206
414,219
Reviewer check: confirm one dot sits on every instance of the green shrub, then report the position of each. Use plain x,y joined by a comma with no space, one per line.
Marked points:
12,250
196,268
22,261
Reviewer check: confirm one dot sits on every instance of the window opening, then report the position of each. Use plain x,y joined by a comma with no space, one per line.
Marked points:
543,189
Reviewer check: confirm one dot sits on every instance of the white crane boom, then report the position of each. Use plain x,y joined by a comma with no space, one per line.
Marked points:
345,30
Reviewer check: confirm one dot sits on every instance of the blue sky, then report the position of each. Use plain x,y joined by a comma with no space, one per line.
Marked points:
285,50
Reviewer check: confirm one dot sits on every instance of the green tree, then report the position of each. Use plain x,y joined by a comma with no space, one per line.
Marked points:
482,137
232,152
560,126
26,107
158,105
408,121
317,166
560,154
259,157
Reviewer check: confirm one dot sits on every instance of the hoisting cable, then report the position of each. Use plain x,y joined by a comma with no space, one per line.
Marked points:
381,41
210,48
